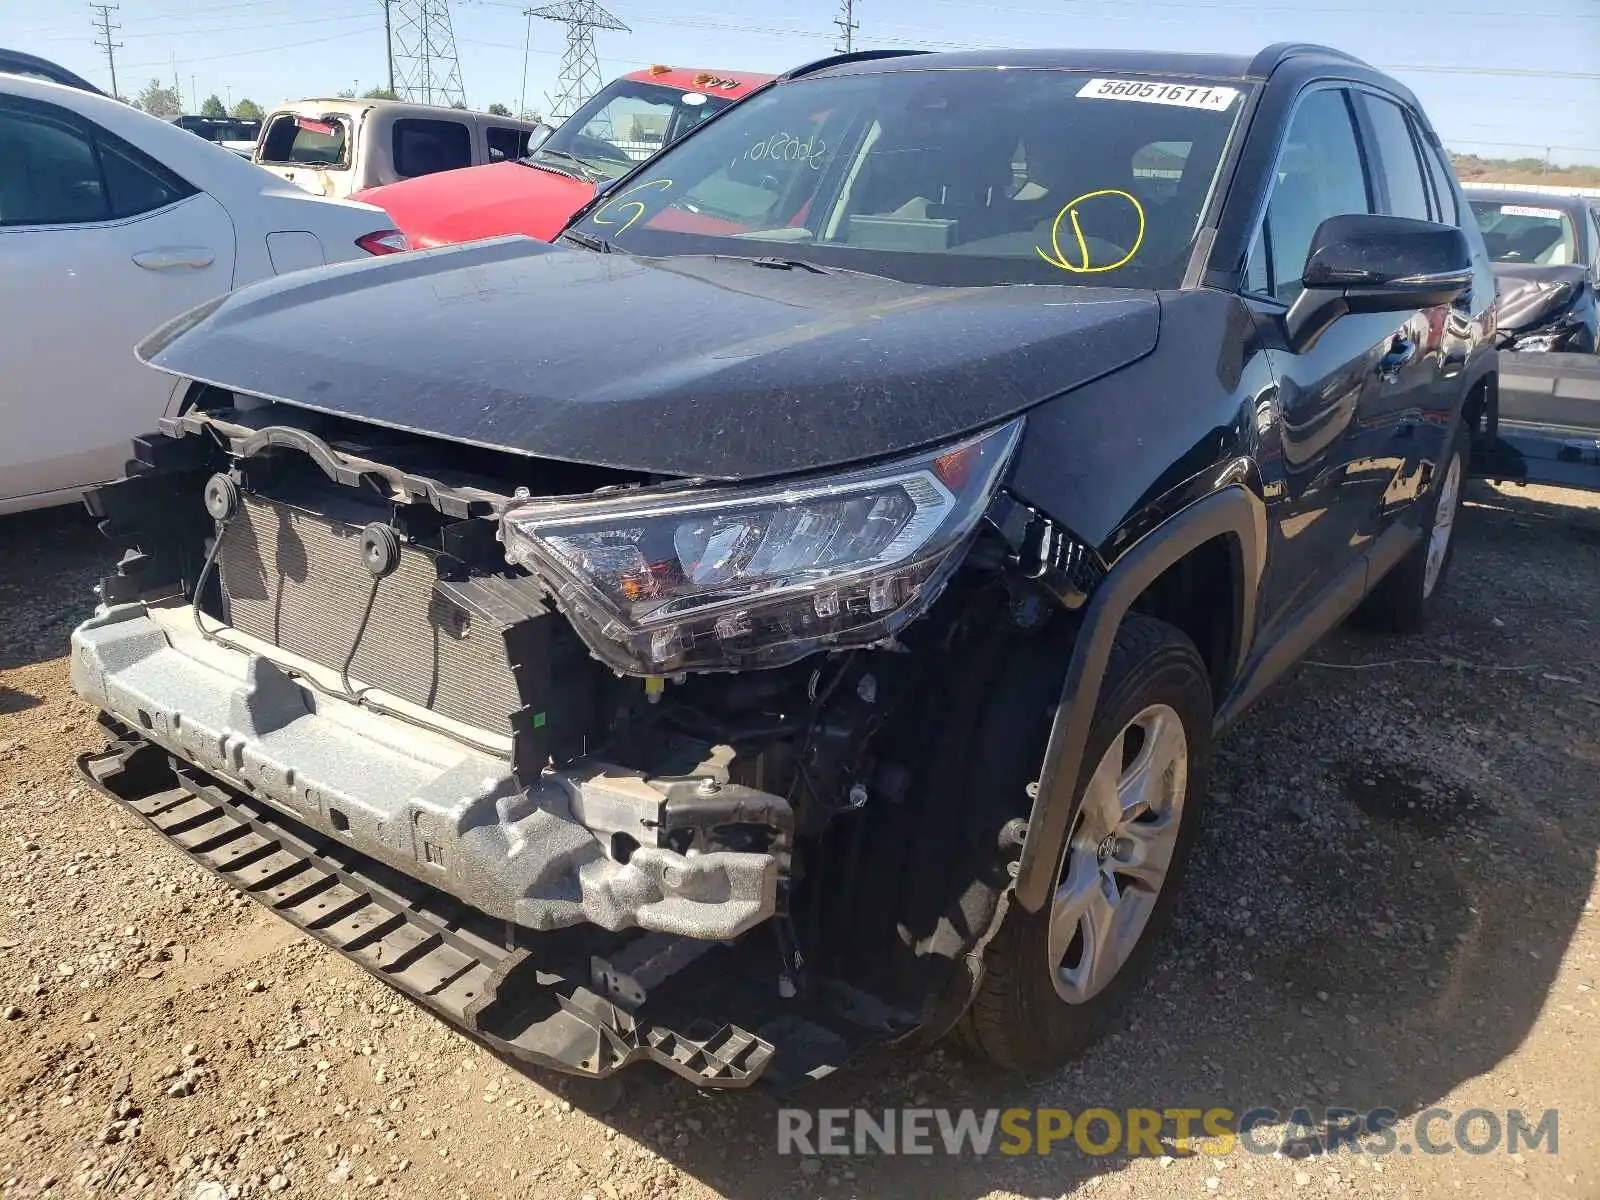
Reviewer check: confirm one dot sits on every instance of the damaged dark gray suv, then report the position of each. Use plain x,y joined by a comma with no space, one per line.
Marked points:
793,611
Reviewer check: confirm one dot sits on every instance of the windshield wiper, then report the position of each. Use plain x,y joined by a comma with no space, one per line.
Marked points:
789,264
587,241
589,172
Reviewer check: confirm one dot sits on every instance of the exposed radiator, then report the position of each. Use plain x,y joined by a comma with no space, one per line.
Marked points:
296,579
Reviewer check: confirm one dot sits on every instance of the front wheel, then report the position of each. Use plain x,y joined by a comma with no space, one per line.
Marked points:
1057,980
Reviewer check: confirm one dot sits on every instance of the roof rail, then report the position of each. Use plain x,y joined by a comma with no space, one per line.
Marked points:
834,60
1274,56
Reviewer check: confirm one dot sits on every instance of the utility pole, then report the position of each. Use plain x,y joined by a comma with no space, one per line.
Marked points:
527,47
104,25
426,54
847,23
388,45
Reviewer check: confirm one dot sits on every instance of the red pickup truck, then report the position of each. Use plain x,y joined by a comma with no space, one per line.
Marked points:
626,122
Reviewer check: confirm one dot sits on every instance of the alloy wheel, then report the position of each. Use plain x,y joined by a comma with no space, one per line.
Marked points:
1119,854
1444,519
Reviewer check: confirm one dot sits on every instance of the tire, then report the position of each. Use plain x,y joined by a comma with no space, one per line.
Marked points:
1405,596
1021,1017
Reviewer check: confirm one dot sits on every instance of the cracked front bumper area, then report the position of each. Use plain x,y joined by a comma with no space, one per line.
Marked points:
546,1010
576,847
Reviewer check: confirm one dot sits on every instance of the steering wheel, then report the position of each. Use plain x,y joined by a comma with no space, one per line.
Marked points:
587,146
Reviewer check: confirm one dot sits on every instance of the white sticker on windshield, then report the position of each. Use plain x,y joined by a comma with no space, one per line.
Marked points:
693,99
1526,210
1183,95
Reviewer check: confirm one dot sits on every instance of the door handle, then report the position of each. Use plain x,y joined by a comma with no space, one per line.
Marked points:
166,258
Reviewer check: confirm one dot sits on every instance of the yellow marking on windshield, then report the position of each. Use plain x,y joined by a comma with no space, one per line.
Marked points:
1084,265
616,205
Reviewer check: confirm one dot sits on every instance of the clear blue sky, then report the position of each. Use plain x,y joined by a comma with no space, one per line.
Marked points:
1515,103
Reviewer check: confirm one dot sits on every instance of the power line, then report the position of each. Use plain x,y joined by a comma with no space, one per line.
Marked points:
265,49
104,25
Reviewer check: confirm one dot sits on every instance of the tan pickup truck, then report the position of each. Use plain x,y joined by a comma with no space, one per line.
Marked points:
335,147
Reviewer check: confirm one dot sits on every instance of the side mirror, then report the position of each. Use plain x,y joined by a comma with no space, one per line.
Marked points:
1364,263
538,135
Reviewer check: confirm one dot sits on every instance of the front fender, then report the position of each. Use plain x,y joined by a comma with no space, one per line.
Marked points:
1233,512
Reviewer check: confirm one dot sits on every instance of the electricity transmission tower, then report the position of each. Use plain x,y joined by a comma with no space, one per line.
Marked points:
847,23
580,69
105,27
423,46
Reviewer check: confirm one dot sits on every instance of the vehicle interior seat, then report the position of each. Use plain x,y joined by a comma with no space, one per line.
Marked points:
1542,243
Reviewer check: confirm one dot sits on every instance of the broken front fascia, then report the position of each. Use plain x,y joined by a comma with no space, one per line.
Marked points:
575,846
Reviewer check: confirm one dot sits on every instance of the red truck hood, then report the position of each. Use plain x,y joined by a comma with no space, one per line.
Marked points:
480,202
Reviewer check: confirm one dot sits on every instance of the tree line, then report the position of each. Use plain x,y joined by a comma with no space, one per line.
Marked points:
161,101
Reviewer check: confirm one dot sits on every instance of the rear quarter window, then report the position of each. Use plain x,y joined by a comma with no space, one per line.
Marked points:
306,141
422,147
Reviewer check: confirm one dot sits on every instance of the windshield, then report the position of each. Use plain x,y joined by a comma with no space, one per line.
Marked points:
949,177
1526,234
625,123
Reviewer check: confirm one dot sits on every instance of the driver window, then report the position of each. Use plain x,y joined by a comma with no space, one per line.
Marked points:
1319,175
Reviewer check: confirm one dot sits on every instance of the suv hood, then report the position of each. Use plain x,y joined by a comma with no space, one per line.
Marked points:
712,367
480,202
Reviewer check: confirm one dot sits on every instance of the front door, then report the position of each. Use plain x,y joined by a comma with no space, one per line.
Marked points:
100,246
1335,402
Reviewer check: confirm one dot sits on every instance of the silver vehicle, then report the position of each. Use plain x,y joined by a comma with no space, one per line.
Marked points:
338,147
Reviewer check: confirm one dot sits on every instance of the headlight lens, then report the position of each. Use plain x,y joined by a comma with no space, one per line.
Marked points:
731,578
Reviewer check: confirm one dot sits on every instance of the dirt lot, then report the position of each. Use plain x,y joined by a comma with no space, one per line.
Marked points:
1394,904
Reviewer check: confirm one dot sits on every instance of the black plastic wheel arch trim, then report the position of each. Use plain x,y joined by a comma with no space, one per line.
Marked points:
1234,512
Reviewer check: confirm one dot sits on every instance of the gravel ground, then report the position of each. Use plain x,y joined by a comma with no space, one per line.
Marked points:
1393,904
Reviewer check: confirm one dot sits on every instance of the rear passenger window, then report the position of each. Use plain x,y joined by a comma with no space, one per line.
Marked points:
506,143
136,185
1443,185
1397,158
423,147
295,141
1320,175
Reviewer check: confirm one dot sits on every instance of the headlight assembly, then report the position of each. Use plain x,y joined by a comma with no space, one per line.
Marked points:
712,579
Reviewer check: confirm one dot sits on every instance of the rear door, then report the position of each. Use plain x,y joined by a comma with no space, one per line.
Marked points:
1415,390
100,244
